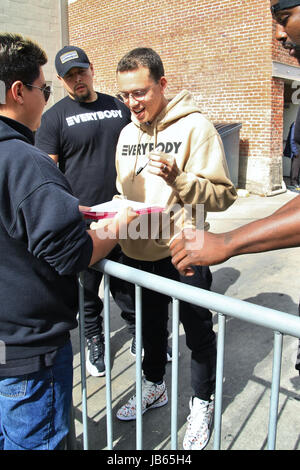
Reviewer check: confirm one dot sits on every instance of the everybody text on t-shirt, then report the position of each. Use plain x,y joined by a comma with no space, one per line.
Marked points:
96,116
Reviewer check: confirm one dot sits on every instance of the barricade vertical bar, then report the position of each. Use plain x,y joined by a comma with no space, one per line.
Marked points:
70,443
219,381
277,355
82,362
174,400
107,361
138,366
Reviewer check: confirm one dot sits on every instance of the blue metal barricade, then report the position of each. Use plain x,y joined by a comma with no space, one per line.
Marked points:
280,323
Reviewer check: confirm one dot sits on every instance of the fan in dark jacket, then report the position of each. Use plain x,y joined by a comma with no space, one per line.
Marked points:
44,244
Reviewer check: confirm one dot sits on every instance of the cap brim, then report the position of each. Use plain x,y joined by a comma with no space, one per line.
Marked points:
72,65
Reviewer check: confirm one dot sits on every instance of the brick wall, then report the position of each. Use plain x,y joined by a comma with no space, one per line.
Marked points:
41,21
220,51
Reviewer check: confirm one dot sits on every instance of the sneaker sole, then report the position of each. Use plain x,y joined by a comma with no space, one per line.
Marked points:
132,418
92,370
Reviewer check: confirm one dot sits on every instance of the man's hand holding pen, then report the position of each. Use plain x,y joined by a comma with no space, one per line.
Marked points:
163,165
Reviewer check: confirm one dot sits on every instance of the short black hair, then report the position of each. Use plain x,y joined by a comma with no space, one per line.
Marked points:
20,59
142,57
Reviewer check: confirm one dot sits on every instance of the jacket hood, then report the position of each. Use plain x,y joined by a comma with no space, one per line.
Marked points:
180,106
10,129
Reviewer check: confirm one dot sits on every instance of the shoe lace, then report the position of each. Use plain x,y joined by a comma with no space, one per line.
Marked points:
133,345
146,389
97,347
199,414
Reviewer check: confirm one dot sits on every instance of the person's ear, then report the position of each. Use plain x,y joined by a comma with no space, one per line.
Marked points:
92,70
163,83
17,92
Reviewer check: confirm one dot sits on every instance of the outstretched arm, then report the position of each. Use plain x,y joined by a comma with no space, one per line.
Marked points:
106,237
280,230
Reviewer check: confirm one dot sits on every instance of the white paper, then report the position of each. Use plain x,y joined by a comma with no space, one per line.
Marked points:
117,204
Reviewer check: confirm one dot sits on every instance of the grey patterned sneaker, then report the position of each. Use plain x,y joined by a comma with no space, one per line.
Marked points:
199,424
153,396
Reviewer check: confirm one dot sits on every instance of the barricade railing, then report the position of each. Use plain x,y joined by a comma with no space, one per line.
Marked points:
280,323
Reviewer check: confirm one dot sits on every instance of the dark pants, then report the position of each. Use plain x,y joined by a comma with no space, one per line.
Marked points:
93,305
197,323
295,170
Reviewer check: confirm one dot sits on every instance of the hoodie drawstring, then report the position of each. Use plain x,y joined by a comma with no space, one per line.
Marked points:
141,132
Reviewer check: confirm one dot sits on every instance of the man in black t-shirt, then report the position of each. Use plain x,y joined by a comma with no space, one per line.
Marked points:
80,133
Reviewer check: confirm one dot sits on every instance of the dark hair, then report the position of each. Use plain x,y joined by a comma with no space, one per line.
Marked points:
20,59
142,57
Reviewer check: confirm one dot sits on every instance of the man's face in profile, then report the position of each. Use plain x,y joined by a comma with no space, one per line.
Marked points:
288,28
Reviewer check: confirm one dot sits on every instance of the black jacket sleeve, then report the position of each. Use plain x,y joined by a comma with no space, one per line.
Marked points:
52,226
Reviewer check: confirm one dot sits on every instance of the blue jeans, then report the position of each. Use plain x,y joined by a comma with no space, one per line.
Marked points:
35,408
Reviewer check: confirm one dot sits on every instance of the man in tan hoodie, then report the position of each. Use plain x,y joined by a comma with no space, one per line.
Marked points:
277,231
170,155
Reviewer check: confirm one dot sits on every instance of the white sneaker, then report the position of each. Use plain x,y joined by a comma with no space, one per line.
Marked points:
153,396
199,424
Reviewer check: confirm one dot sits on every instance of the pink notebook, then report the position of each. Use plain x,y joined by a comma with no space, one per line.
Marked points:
111,208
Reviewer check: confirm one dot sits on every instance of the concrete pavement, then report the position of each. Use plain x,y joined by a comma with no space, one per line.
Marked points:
269,279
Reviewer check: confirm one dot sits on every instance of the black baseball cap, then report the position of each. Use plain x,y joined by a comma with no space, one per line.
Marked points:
69,57
284,5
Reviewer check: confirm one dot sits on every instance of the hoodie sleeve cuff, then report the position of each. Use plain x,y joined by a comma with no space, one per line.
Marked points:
183,181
